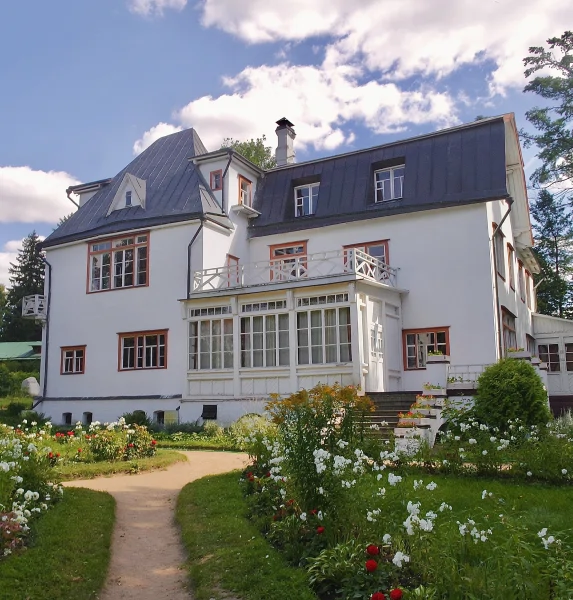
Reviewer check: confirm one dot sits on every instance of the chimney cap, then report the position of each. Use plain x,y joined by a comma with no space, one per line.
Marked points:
284,122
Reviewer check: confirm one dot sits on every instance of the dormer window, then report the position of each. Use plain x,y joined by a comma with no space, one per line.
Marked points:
389,184
216,180
305,199
245,191
128,198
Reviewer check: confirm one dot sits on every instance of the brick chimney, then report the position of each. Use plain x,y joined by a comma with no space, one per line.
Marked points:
284,153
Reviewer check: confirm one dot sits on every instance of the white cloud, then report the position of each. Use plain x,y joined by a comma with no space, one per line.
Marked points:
150,7
319,102
8,255
29,196
403,38
160,130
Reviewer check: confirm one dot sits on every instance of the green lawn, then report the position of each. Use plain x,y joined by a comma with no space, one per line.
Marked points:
163,459
69,552
227,554
199,444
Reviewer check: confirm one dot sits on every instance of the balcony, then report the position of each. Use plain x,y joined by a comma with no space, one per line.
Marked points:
332,263
34,307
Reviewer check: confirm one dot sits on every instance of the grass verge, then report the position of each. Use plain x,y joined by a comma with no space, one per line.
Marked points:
199,444
163,459
69,552
227,554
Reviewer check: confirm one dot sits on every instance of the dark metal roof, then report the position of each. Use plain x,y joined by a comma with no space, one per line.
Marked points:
175,191
451,167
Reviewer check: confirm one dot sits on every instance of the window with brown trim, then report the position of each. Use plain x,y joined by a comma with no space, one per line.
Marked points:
377,250
73,360
498,247
216,180
521,280
418,343
508,326
233,273
528,288
510,267
142,350
288,261
549,353
530,343
245,191
118,263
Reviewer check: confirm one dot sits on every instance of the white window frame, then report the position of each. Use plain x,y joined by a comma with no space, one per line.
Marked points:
379,184
316,347
421,346
551,356
245,195
73,360
312,199
128,195
210,344
267,347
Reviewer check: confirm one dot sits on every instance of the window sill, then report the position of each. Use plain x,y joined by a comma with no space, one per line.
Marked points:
117,289
142,369
78,373
248,211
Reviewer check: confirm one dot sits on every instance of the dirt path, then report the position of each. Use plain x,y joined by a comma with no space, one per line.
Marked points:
146,552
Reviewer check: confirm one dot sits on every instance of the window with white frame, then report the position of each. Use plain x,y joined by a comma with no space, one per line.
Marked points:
245,191
389,184
128,198
549,353
288,261
265,341
569,356
509,335
305,199
211,344
324,336
73,360
118,263
143,350
418,343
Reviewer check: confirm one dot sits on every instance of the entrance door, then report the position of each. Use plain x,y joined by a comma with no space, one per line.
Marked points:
376,366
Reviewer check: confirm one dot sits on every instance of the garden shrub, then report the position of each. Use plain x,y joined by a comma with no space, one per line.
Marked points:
137,417
11,381
508,390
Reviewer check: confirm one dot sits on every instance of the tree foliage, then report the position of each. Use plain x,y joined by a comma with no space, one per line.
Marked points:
3,301
511,389
554,249
254,150
554,136
26,278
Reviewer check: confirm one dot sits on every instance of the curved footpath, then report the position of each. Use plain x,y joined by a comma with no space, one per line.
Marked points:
147,557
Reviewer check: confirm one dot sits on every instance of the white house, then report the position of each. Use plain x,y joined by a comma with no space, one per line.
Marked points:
196,282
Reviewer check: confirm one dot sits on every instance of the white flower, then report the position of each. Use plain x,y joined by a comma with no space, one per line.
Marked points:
542,533
400,558
472,441
386,538
431,486
563,471
394,479
303,516
484,452
444,506
529,473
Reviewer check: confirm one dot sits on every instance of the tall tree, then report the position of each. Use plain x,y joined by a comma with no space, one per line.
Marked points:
254,150
554,248
3,301
26,278
554,136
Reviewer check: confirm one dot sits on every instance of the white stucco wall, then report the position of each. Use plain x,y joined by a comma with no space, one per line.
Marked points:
95,319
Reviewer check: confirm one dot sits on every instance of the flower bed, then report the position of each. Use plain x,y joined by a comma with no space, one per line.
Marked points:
365,522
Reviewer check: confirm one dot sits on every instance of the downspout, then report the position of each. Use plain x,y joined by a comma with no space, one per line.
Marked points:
189,256
68,192
46,353
223,208
509,201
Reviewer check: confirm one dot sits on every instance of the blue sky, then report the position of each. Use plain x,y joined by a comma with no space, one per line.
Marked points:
86,85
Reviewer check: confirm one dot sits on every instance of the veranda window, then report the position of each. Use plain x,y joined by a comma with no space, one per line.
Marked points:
265,341
324,336
118,263
549,353
211,344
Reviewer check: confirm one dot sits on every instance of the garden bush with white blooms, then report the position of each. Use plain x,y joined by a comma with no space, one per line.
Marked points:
368,523
26,491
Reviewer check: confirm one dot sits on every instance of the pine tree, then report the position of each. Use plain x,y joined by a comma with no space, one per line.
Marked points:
3,301
26,278
554,248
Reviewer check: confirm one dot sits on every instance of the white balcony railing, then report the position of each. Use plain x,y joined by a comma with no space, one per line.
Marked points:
295,268
34,307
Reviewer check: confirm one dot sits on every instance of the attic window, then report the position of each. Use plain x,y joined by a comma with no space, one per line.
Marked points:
128,198
305,199
245,191
389,184
217,180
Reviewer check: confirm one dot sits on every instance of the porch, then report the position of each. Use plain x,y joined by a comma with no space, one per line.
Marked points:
349,264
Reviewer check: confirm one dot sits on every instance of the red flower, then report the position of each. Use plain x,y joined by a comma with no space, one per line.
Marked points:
373,550
79,450
268,474
320,529
130,445
57,455
378,596
51,455
371,565
396,594
313,511
153,442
